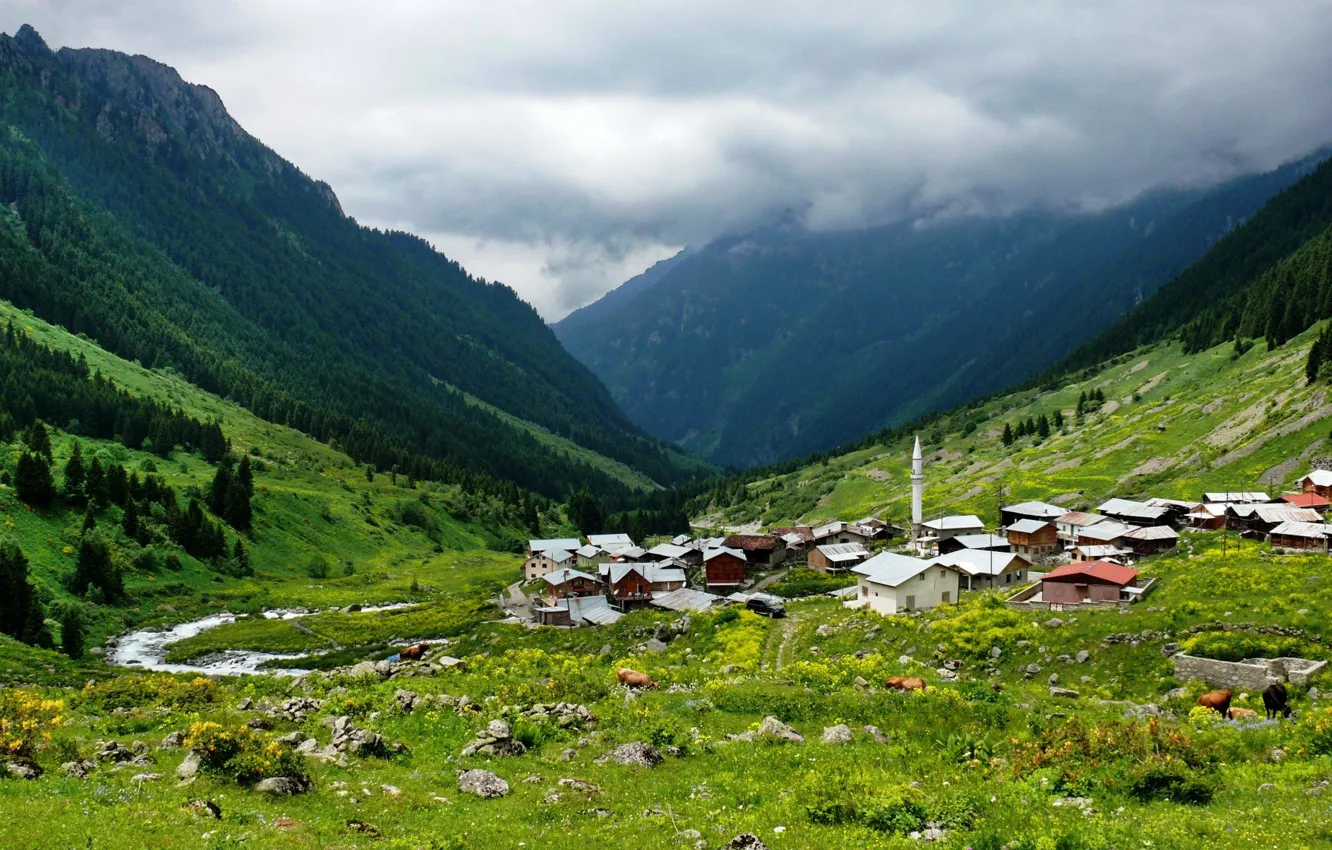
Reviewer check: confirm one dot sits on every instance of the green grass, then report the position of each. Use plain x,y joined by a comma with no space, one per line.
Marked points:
1174,425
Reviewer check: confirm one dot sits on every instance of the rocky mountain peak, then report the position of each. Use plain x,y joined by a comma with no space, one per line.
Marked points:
30,40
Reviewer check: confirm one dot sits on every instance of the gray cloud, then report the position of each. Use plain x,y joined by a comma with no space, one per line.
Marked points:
562,147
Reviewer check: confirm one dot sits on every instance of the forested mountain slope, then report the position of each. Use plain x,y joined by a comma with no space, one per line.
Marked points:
784,342
141,214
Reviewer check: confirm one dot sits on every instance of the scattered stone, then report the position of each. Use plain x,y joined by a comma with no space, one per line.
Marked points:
1082,656
448,662
24,769
729,669
1277,754
1175,693
1267,786
495,740
1067,693
173,741
877,734
995,652
861,682
391,790
1054,679
140,778
284,786
635,753
189,768
654,645
745,841
362,828
1169,649
839,734
579,785
1053,623
568,755
293,739
358,742
245,704
113,751
1033,669
204,808
483,784
78,769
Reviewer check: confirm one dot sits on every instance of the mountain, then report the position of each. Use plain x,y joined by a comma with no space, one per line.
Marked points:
782,342
138,212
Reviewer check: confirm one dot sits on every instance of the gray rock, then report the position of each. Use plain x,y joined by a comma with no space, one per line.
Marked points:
1054,679
1169,649
283,786
1082,656
140,778
995,652
1033,669
292,739
775,729
1175,693
1067,693
173,741
483,784
744,841
78,769
861,682
245,704
24,769
448,662
189,768
877,734
635,753
204,808
579,785
1277,754
655,645
839,734
1053,623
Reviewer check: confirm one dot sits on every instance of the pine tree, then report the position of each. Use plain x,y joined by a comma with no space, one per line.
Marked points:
21,615
75,474
1059,419
72,632
39,440
129,523
1043,427
1008,434
94,568
245,476
95,485
89,522
33,481
237,510
217,494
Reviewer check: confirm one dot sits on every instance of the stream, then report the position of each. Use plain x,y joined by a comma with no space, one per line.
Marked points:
146,649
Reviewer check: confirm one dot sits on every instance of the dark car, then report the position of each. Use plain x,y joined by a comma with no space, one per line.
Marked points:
767,609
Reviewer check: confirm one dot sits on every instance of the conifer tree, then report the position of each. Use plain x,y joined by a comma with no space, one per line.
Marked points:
1043,427
75,474
39,440
21,615
1008,434
72,632
33,481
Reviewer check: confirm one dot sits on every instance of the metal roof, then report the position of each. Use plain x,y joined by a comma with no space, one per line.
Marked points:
566,574
590,551
949,523
611,542
591,609
1153,532
685,599
1037,510
890,569
1103,570
982,541
569,544
617,572
1108,530
1241,496
1028,526
1319,478
559,556
1079,518
1099,550
1286,513
1303,529
712,553
979,561
844,551
1130,508
669,550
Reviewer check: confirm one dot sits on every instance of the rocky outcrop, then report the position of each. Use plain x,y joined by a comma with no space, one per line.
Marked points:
483,784
284,786
349,739
636,753
494,740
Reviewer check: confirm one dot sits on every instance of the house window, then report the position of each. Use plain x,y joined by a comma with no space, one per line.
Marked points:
946,595
910,602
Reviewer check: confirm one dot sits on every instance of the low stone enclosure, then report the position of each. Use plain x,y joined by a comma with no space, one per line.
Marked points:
1250,674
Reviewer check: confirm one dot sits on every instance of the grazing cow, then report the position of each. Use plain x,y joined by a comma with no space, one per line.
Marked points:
1276,700
635,679
1242,713
1218,701
905,683
414,652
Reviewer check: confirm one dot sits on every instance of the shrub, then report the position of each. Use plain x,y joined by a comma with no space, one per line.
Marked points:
26,721
1171,780
144,691
317,568
239,754
835,799
1237,646
1316,732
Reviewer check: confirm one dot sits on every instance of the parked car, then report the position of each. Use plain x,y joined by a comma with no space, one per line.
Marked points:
765,608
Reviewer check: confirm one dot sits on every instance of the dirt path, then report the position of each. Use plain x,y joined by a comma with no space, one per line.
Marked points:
788,633
769,581
517,601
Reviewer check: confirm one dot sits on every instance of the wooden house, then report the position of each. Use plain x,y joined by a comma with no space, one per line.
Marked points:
1108,533
1152,540
566,544
1303,536
1130,512
1043,511
1033,537
566,582
837,557
627,585
840,532
1318,482
761,550
1095,581
724,568
1096,552
983,569
1308,501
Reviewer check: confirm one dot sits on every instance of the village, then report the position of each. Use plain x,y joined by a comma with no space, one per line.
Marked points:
1052,558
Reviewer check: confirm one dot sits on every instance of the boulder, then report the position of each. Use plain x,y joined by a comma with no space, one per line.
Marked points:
1067,693
839,734
745,841
635,753
1082,656
877,734
483,784
204,808
189,768
995,652
113,751
775,729
1053,623
1033,669
655,645
141,778
78,769
284,786
24,769
407,701
495,740
579,785
173,741
448,662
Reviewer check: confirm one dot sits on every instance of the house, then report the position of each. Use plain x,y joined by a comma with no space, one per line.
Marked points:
724,567
627,585
804,532
1152,540
840,532
837,557
568,544
1259,520
663,576
590,556
891,583
1208,517
567,582
1091,552
1108,533
552,615
1307,536
875,528
611,542
682,540
668,552
1033,537
1318,482
1130,512
1241,497
1094,581
983,569
543,563
761,550
628,555
975,541
1310,501
1043,511
953,526
1071,522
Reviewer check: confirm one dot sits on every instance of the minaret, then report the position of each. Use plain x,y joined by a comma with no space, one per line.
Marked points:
917,489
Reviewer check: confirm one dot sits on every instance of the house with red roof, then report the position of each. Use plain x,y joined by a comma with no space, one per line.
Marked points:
1308,501
1092,581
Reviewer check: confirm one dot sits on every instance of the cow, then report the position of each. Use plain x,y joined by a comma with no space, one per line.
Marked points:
1276,700
905,683
1218,701
1242,713
413,653
635,679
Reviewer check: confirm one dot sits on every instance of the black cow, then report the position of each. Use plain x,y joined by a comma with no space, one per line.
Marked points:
1276,701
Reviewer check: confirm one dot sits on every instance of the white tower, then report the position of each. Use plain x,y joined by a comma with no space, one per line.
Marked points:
917,489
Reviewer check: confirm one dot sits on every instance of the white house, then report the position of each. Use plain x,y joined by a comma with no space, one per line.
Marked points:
985,569
591,556
545,563
611,542
948,527
891,583
568,544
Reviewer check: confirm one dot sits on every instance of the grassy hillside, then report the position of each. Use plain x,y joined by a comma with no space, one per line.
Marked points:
311,501
1172,425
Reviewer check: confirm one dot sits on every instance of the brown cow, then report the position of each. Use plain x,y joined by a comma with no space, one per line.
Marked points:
413,652
905,683
635,679
1242,713
1218,701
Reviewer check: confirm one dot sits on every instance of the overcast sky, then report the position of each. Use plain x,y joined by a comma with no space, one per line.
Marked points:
562,147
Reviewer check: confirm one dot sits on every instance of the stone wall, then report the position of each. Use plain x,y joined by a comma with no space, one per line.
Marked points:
1251,674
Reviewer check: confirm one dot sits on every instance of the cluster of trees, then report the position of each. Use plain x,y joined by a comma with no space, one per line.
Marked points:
1040,426
663,513
1318,366
1090,402
233,488
21,615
